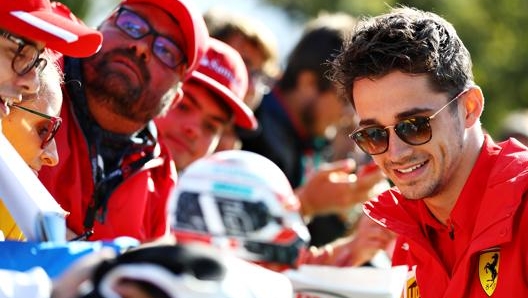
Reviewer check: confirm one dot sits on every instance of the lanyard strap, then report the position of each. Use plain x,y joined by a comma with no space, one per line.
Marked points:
134,156
105,184
102,191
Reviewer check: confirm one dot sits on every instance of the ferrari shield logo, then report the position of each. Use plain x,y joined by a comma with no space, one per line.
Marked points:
411,287
489,270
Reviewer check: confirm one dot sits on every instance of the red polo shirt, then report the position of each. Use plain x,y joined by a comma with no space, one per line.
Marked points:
486,254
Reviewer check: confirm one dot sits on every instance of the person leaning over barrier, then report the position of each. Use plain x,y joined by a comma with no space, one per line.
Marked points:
212,101
114,176
30,128
26,29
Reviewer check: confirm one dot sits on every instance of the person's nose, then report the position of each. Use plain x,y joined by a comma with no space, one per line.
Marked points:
192,129
397,147
50,156
142,47
27,84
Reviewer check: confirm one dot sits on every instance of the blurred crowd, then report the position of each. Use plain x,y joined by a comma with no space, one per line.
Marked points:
186,161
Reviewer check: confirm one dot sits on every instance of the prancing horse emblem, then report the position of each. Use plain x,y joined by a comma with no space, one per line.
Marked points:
489,270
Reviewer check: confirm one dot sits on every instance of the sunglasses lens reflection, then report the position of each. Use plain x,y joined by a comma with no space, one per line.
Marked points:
375,140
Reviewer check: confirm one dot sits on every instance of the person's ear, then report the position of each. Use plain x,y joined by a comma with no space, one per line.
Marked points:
473,104
179,95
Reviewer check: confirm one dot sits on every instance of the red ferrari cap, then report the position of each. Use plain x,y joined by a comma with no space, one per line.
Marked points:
53,24
223,71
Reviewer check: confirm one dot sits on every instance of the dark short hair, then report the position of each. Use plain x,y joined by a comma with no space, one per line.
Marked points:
320,42
224,25
407,40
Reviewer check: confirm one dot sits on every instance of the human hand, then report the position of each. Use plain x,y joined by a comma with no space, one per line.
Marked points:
354,250
333,189
368,239
67,285
134,289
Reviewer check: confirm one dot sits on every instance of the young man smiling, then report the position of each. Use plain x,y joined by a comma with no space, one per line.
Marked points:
459,206
212,100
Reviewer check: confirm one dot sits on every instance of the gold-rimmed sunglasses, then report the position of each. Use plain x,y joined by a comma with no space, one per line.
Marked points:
415,131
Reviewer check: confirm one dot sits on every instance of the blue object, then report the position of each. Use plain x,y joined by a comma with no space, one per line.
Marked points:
53,257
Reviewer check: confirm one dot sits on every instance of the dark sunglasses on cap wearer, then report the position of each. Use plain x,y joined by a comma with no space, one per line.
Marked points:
26,56
414,131
164,48
53,125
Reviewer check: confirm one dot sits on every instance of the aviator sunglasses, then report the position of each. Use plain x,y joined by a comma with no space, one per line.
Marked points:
414,131
54,124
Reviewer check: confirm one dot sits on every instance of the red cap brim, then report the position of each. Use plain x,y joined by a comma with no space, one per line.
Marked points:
244,116
59,33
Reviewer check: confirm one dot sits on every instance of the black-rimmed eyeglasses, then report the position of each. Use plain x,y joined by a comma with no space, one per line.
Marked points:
414,131
167,51
26,56
53,126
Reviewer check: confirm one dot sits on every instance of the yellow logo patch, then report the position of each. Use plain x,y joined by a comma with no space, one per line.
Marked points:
411,289
489,270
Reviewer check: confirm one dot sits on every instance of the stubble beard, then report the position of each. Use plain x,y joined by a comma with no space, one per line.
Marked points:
433,186
135,102
427,189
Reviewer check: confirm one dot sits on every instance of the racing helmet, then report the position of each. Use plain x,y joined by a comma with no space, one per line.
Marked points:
241,201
